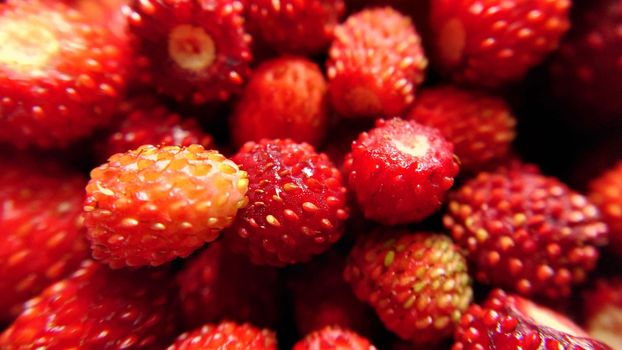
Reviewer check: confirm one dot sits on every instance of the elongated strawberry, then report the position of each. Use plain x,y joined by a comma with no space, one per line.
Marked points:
226,336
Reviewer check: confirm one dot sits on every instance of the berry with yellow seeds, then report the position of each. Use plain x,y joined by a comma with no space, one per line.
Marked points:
226,336
606,193
153,204
333,338
418,283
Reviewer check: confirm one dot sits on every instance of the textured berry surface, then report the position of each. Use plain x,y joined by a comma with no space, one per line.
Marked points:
606,193
511,322
526,232
192,50
375,64
285,98
602,311
150,205
481,127
417,283
61,76
297,204
333,338
400,170
489,43
98,308
226,336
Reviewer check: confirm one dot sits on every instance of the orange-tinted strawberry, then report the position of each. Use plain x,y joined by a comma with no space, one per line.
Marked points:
606,192
226,336
333,338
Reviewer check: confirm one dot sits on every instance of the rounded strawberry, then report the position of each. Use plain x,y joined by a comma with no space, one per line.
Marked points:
602,311
490,43
61,75
418,283
218,284
375,63
333,338
513,323
153,204
480,126
606,193
294,26
525,231
400,170
285,98
226,336
192,50
98,308
297,204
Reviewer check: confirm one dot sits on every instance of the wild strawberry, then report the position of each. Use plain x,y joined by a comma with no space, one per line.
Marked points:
285,98
297,203
97,308
61,76
218,284
490,43
294,26
418,283
400,170
510,322
42,230
375,63
333,338
480,126
226,336
602,311
606,193
153,204
525,231
192,50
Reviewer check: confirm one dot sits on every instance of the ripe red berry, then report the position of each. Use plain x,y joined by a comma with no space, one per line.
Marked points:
333,338
284,98
400,170
375,63
297,203
153,204
606,192
525,231
602,311
480,126
511,322
61,76
490,43
417,283
226,336
192,50
98,308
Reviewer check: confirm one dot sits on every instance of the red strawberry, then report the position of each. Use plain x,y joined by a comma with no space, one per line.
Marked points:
375,63
525,231
226,336
297,203
400,171
192,50
285,98
294,26
480,126
333,338
42,230
153,204
61,76
218,285
490,43
602,311
606,193
418,283
510,322
97,308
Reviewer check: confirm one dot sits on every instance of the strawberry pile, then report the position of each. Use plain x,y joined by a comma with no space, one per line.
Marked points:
311,174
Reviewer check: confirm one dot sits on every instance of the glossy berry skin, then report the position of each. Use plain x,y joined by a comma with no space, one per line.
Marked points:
510,322
333,338
153,204
417,283
226,336
375,64
526,232
218,284
491,43
297,203
285,98
61,75
602,311
480,126
42,230
294,26
400,170
605,192
192,50
98,308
